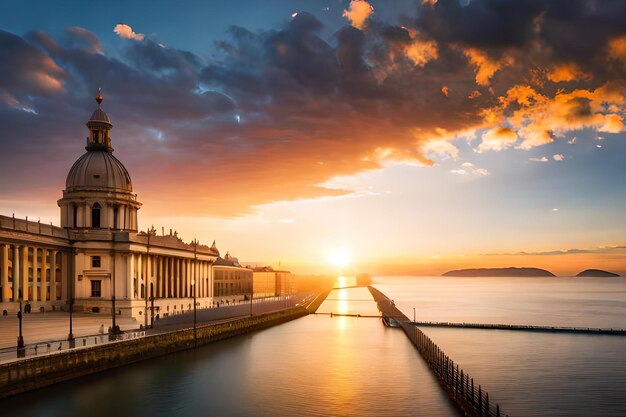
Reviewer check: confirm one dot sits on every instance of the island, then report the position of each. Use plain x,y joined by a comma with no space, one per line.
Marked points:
499,272
596,273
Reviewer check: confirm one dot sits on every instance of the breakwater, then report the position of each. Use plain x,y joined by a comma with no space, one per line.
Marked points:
33,373
468,396
524,328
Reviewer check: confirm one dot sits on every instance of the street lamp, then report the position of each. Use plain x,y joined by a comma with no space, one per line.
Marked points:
413,314
72,264
20,338
195,336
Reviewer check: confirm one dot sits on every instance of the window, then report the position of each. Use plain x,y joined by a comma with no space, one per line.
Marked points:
96,288
95,262
75,216
95,216
116,212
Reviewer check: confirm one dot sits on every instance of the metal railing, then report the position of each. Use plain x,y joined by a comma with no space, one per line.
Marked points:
469,397
52,346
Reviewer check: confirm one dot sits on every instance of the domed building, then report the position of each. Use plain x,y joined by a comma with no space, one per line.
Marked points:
98,261
98,190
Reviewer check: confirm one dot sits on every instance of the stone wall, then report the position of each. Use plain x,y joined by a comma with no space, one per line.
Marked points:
29,374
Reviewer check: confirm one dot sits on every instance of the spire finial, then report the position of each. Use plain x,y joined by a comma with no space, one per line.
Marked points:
99,97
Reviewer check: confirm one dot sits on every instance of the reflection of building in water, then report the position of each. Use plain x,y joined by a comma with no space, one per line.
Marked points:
98,252
268,282
231,281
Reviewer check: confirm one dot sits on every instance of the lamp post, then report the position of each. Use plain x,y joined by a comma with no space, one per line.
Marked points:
195,336
20,338
72,264
251,294
151,304
413,314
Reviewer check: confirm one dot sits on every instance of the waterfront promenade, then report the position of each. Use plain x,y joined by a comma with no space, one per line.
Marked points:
46,333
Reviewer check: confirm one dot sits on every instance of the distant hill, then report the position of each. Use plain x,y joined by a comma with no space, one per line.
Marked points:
499,272
596,273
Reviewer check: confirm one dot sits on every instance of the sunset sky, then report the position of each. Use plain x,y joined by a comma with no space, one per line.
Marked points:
411,136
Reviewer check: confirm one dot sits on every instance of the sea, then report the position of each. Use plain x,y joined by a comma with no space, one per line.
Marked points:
323,365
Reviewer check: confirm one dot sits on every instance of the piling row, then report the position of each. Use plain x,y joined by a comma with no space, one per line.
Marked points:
467,395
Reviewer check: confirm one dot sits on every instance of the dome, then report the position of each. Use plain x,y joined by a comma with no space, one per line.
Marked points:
99,116
98,169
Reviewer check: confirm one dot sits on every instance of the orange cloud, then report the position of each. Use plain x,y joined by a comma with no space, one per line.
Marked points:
484,67
126,32
420,52
497,139
617,49
566,73
537,118
358,12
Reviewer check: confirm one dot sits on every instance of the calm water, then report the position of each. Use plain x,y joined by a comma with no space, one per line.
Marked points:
530,374
313,366
344,366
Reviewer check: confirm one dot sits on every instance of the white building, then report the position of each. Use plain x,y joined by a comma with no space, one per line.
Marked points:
97,254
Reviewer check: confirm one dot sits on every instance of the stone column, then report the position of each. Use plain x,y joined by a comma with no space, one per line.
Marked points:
130,279
36,291
16,272
148,276
24,273
44,274
65,275
166,277
4,271
177,267
140,275
187,280
53,275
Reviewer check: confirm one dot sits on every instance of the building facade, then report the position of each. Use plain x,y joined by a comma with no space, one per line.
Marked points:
232,283
268,282
98,258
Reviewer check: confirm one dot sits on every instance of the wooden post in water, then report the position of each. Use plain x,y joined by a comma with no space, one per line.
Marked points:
461,391
487,403
480,401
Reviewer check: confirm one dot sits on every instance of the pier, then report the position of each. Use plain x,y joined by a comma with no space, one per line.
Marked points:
471,399
524,328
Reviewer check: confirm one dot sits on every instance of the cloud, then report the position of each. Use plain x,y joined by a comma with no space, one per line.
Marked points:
542,159
537,118
497,139
617,49
358,12
441,148
126,32
566,73
467,168
484,67
558,157
280,111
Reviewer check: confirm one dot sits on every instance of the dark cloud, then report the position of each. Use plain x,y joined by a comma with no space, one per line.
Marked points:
273,114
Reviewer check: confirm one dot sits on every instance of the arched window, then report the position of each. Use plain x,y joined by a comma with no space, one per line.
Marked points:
75,215
95,216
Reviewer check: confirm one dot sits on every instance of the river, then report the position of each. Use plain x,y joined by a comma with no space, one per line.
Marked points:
313,366
347,366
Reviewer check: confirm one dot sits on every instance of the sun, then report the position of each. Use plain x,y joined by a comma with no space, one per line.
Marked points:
340,258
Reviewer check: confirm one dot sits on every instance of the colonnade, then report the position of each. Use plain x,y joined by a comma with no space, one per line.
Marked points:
167,276
34,272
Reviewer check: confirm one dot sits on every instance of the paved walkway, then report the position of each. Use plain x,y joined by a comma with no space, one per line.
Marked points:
49,326
46,333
